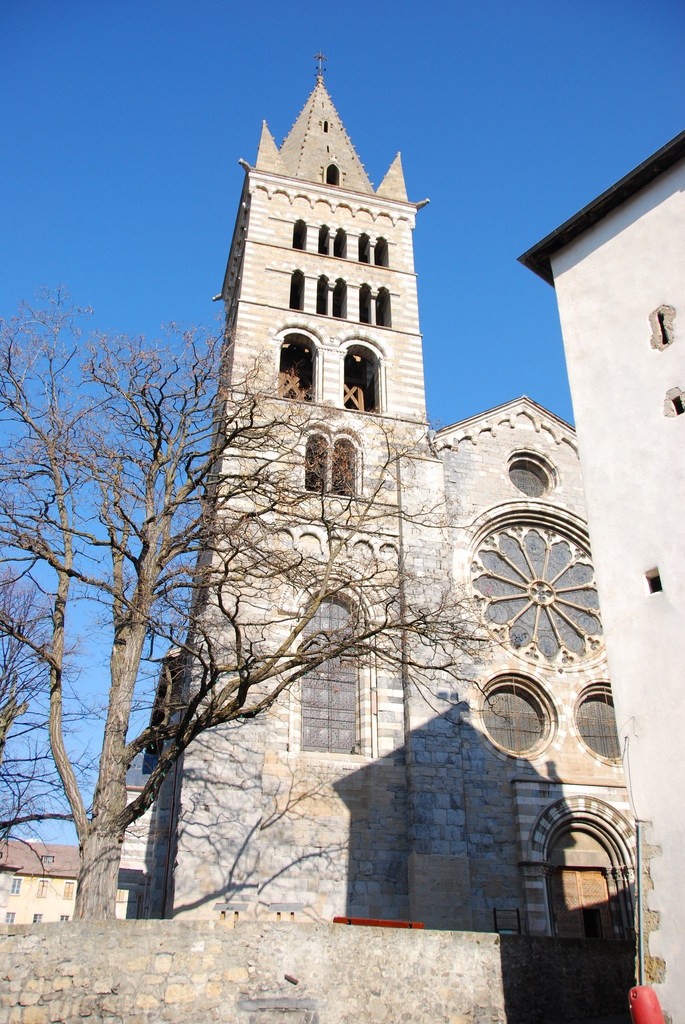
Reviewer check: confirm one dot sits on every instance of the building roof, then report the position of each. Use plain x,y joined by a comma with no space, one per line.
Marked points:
317,139
538,258
32,859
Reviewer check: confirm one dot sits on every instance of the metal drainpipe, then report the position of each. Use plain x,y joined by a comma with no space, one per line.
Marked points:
638,885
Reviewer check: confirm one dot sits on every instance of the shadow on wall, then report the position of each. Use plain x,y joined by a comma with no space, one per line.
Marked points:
448,831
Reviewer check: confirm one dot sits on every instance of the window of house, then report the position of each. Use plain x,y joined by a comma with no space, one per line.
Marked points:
300,235
343,470
37,918
9,917
322,296
297,290
316,463
364,249
329,690
383,318
296,369
360,389
332,175
340,244
64,917
340,299
365,304
47,861
596,722
380,253
16,886
653,581
674,402
662,322
42,887
122,895
68,890
324,240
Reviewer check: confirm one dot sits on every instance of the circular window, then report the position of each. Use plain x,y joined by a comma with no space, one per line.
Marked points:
538,594
514,716
597,723
530,476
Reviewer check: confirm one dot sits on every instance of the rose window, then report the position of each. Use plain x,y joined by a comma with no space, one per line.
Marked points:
538,593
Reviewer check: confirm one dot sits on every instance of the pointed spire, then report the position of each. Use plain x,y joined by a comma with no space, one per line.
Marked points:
317,140
393,186
268,157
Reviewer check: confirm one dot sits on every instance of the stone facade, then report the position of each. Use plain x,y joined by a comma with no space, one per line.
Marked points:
491,801
170,971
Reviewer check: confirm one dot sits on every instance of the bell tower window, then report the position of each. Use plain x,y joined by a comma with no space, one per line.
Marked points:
296,369
360,389
380,253
340,299
364,249
324,240
343,475
365,304
316,464
322,296
297,290
340,244
332,175
300,235
383,308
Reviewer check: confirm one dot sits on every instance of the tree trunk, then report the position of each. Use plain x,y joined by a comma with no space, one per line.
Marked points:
96,894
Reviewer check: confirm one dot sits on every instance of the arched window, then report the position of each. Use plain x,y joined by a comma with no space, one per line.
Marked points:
340,299
364,249
340,244
300,235
316,464
324,240
383,318
360,390
365,304
380,254
325,127
296,369
322,296
332,175
344,468
297,290
329,690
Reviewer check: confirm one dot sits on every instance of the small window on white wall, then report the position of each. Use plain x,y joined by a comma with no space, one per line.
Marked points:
661,321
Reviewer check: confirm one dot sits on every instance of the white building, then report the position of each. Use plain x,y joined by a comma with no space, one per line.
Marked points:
618,267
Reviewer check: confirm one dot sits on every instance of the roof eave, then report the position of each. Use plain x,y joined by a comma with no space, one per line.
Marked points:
539,257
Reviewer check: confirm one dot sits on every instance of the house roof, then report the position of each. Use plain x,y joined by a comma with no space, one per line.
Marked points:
32,859
538,258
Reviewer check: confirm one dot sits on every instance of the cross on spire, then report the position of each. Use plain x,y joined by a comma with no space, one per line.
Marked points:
320,69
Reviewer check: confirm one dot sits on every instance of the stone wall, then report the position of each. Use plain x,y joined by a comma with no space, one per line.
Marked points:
169,971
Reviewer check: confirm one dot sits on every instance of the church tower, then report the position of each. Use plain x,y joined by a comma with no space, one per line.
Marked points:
320,282
321,303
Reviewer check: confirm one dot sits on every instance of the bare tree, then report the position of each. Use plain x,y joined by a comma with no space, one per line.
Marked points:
139,483
30,789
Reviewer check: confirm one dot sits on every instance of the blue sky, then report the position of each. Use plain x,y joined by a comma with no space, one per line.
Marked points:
123,124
